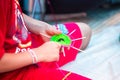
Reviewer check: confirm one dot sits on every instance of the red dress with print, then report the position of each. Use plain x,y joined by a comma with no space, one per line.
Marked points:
15,38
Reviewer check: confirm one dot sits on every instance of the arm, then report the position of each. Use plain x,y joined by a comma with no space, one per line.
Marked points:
44,53
37,27
13,61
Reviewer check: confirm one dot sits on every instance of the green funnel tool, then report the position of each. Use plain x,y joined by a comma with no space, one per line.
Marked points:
63,39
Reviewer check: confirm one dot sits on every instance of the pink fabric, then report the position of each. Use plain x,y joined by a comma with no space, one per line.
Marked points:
71,53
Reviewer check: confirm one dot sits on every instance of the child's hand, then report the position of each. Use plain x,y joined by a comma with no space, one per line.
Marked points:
48,32
48,52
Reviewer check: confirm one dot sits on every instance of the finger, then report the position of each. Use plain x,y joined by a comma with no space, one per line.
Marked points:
58,45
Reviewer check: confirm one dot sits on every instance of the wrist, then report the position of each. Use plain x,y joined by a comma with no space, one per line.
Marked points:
40,57
33,55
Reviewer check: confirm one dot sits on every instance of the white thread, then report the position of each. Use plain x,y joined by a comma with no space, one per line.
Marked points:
45,35
78,39
63,51
72,32
34,56
77,49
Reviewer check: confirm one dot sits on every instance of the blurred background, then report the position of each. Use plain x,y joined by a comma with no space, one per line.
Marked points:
96,13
